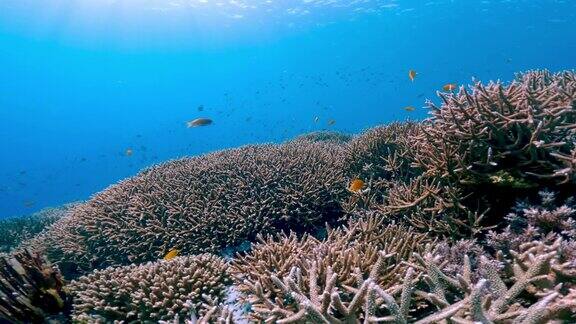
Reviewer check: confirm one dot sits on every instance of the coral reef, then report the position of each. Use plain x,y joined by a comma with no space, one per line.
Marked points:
379,156
483,148
31,290
203,204
325,136
15,230
366,246
381,153
529,290
520,134
408,222
161,290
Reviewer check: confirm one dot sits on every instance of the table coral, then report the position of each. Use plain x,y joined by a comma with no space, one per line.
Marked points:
203,204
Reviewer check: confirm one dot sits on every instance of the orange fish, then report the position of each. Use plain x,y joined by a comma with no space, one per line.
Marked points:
450,87
331,122
171,254
129,152
409,108
412,75
356,185
199,122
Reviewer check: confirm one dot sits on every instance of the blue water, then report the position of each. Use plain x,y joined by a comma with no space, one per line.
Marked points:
83,81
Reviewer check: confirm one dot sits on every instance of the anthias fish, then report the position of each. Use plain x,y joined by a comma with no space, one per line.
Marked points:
412,75
171,254
409,108
449,87
199,122
356,185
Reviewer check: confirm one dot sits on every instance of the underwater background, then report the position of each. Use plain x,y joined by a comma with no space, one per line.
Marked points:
84,82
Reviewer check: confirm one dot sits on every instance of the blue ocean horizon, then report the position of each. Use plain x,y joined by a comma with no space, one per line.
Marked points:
83,82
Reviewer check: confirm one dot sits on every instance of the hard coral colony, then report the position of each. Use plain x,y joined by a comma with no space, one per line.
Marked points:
421,239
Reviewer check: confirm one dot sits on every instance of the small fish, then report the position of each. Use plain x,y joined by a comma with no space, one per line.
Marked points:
331,122
316,119
449,87
171,254
128,152
412,75
201,108
356,185
28,204
199,122
409,108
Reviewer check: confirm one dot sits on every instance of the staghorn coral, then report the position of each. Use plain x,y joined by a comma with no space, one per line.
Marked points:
31,290
431,206
381,153
531,277
377,157
203,204
546,221
347,254
14,231
161,290
518,135
325,136
427,295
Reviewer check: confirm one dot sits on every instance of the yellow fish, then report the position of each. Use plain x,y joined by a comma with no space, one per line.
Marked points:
356,185
450,87
412,75
409,108
199,122
171,254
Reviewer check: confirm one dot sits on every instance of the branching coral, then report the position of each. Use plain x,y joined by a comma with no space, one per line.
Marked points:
533,293
31,290
154,291
533,271
518,135
325,136
344,258
431,206
381,153
14,231
204,204
378,156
